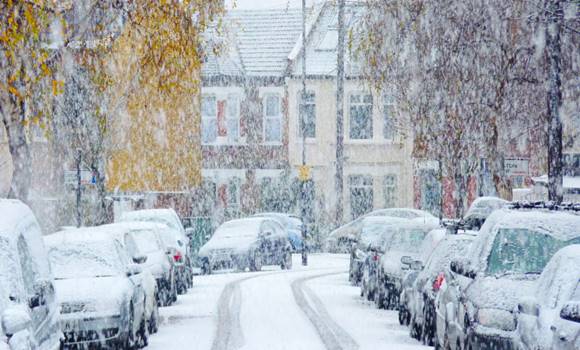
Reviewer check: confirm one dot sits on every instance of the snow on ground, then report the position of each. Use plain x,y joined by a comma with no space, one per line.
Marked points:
310,307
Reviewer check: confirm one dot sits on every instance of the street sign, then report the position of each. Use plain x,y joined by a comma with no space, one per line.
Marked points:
304,173
87,177
517,166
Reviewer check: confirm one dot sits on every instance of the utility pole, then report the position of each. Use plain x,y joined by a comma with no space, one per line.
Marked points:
339,182
303,131
79,159
553,14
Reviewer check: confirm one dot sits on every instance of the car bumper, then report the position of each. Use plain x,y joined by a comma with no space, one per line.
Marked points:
485,338
88,330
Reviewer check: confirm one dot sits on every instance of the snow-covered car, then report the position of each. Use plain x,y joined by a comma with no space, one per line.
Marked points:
29,317
292,224
557,293
480,209
373,235
140,243
175,238
247,243
98,286
147,241
409,243
419,301
340,240
511,250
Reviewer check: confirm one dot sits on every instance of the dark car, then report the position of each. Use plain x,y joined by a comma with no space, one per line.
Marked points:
247,243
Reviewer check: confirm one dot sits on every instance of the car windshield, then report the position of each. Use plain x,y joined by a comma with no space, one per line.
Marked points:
84,260
8,267
406,239
522,251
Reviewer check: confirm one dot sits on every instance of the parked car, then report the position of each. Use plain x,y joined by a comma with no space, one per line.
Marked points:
373,235
406,245
175,237
509,253
480,209
160,262
98,286
556,295
418,303
247,243
293,226
340,240
131,235
29,314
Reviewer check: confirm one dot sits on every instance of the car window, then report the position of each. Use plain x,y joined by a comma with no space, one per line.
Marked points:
518,250
576,293
82,260
29,272
406,239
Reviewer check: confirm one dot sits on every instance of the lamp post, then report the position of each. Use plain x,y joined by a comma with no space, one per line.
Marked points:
303,131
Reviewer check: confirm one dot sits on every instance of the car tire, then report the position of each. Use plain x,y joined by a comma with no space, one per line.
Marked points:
379,299
154,321
256,262
130,338
415,330
287,261
206,268
143,333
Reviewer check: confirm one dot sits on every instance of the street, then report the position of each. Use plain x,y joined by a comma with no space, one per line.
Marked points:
311,307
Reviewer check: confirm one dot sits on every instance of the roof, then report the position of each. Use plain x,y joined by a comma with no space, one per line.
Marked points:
322,40
258,43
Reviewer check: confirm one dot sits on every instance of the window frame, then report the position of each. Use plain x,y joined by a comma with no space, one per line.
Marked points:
236,118
388,104
361,103
301,103
266,118
208,118
393,187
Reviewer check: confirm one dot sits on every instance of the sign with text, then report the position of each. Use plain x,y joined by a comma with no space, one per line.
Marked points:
70,177
517,167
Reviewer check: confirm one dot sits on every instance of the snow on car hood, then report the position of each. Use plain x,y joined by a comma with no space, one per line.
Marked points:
103,293
391,262
500,293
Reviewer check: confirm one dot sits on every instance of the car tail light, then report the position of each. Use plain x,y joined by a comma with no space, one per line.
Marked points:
375,257
177,257
438,281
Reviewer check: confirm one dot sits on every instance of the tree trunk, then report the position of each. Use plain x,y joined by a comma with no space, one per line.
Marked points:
19,151
555,176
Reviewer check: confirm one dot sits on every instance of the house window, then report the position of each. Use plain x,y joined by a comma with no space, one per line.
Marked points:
272,119
361,195
361,116
388,117
209,127
307,121
390,191
233,197
233,118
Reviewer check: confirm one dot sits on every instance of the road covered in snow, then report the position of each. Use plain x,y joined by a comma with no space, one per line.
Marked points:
311,307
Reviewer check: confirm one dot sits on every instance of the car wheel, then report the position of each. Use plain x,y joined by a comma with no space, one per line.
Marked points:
379,299
154,320
206,268
256,264
415,330
402,316
130,342
287,261
143,333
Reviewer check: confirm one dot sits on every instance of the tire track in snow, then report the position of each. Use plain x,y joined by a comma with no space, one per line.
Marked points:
333,336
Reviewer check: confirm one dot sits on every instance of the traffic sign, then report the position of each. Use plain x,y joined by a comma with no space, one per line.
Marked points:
304,173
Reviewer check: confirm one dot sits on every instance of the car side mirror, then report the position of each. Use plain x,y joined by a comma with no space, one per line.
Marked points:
190,232
140,259
571,311
15,319
462,267
529,306
134,269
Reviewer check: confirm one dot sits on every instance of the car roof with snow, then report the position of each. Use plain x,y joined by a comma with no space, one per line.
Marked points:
83,234
484,206
165,216
13,213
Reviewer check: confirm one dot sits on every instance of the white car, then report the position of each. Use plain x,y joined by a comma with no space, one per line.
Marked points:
247,243
541,319
101,299
176,238
505,260
131,236
28,308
